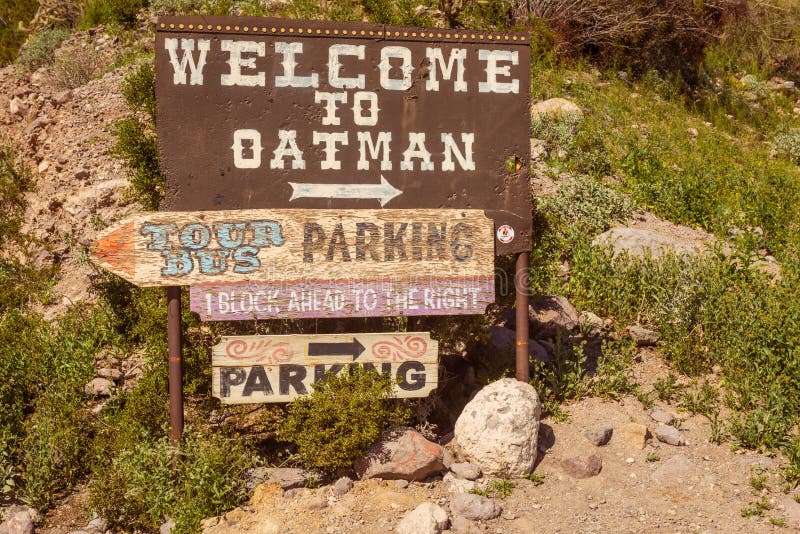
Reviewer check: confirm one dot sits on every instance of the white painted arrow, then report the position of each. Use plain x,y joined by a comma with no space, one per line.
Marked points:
382,192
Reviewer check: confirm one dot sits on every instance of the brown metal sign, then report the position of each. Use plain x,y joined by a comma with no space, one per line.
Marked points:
273,113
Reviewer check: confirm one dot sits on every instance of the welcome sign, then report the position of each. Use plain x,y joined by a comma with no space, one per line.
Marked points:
271,113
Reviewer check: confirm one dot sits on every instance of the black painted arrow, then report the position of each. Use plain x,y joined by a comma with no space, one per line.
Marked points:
354,349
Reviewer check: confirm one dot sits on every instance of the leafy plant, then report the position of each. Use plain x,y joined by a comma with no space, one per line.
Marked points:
345,414
502,488
41,47
667,387
116,12
536,478
652,457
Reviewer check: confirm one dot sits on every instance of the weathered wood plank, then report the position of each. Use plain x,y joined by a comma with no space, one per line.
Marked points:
269,246
251,369
348,298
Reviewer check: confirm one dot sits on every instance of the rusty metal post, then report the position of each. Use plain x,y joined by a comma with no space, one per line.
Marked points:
174,350
521,289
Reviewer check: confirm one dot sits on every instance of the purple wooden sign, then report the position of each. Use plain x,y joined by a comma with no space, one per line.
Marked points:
345,298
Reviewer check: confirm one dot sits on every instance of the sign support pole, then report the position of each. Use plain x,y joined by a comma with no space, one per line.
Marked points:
174,350
521,290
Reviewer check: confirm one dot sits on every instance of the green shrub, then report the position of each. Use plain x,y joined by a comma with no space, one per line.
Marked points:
562,378
41,47
54,448
575,143
584,205
15,180
117,12
148,481
76,66
345,414
139,90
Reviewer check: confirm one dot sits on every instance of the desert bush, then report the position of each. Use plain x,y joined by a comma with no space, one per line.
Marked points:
584,205
148,481
345,414
15,180
41,47
76,66
139,91
117,12
574,143
670,35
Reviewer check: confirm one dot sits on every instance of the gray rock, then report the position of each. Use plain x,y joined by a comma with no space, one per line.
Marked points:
598,435
764,461
466,471
98,525
506,339
290,477
402,453
99,387
593,322
427,518
81,173
36,124
453,484
583,466
693,132
18,519
643,336
401,484
18,107
669,435
294,492
62,97
639,242
552,315
474,507
342,486
673,471
498,429
167,527
557,108
661,416
791,510
317,503
538,149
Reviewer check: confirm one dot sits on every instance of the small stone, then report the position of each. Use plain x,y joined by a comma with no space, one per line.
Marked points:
555,108
630,460
317,503
98,525
538,149
81,173
635,434
673,471
592,321
474,507
18,519
427,518
342,486
552,315
643,336
582,466
401,453
43,166
598,435
291,477
467,471
401,484
167,527
18,107
453,484
293,493
61,97
661,416
37,123
99,387
693,132
669,435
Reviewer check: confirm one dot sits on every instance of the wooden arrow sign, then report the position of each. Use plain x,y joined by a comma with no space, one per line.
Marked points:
291,245
251,369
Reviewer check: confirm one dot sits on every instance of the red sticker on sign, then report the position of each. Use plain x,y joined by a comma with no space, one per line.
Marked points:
505,234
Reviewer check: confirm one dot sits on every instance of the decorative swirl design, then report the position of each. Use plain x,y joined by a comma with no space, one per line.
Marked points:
400,349
267,351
